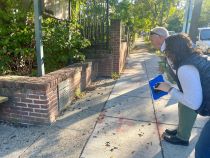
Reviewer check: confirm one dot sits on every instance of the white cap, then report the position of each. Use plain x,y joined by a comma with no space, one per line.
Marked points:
162,31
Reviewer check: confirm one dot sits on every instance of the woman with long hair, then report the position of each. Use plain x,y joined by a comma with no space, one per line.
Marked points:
193,78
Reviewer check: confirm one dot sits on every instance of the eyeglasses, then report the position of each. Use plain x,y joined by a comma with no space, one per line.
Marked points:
153,33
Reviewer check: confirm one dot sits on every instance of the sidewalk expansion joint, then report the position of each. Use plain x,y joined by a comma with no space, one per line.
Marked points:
130,95
129,119
157,123
97,120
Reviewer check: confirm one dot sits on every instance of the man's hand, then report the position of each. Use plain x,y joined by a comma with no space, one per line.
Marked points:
163,86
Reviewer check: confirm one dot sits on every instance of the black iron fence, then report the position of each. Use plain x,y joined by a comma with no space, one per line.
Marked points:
94,18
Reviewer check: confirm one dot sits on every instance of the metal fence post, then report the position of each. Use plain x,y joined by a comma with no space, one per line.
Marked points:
38,37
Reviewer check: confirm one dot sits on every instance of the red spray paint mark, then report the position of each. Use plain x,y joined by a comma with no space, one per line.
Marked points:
123,125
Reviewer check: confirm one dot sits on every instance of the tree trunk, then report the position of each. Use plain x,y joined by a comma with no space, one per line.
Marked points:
195,17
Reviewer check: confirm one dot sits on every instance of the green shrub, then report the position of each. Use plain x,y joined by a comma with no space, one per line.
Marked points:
63,44
115,75
16,41
62,41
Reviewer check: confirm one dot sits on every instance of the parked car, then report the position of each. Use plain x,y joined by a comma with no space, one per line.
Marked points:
204,39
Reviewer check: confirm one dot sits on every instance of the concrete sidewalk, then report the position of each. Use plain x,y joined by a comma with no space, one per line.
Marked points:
115,119
132,123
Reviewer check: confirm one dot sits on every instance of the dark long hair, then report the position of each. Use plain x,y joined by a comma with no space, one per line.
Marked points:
179,47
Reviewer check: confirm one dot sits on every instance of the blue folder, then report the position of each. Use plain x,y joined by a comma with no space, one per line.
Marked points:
152,83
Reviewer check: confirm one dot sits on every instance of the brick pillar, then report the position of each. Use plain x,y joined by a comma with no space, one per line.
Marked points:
115,43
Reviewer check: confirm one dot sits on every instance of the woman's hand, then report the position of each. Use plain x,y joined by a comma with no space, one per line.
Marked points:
163,86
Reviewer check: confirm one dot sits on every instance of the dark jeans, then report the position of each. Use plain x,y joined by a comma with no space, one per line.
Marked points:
202,148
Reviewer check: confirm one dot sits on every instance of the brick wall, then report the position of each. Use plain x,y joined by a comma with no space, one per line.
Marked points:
34,100
105,65
113,59
105,62
115,43
119,49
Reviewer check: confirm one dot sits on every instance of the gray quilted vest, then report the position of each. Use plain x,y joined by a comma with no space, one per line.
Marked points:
202,63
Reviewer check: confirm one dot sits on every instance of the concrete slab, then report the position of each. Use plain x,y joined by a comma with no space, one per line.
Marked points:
134,70
130,78
101,84
58,143
167,112
20,140
135,63
132,89
91,101
77,119
152,69
130,107
121,138
140,56
84,112
152,66
6,131
152,62
153,72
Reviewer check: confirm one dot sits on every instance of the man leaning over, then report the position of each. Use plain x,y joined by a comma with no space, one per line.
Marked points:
187,116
